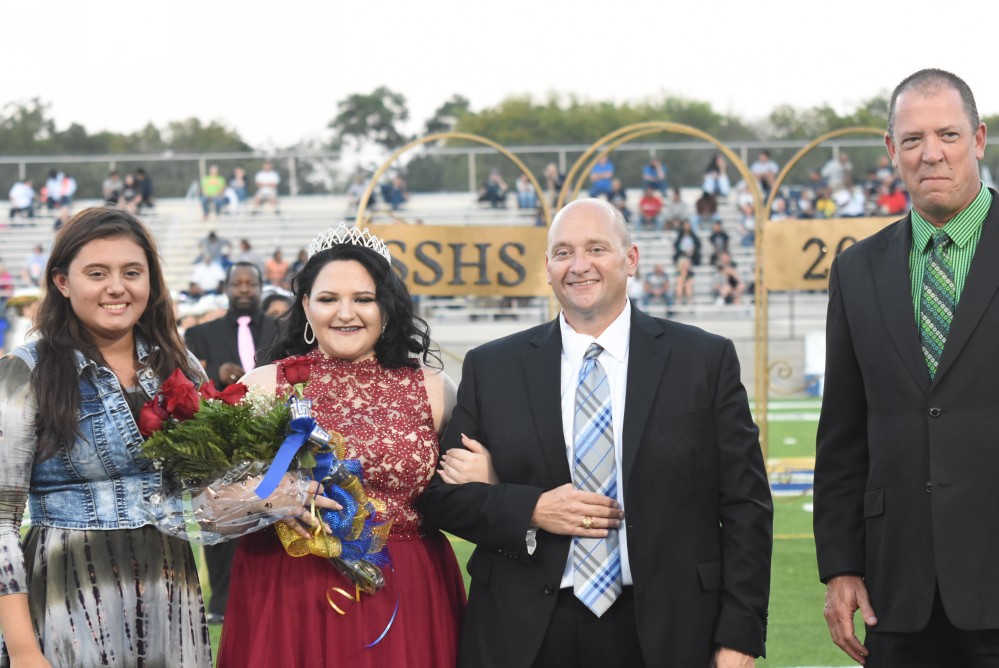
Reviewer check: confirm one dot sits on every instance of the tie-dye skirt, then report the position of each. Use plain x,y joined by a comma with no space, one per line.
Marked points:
128,597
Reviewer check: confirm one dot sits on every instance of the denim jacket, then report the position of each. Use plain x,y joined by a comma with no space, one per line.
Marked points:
101,482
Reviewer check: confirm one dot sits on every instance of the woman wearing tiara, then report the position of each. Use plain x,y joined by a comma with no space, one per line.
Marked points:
369,380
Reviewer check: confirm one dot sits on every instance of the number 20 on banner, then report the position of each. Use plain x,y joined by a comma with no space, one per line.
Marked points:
797,254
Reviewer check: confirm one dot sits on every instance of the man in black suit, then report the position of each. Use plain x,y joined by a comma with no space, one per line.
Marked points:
907,460
226,348
685,517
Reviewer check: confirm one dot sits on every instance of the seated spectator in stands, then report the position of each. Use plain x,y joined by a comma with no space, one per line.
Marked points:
746,223
816,182
298,264
805,206
144,183
553,181
885,171
718,241
55,198
825,206
6,286
68,191
276,270
247,254
836,171
22,199
275,304
778,210
635,287
650,207
872,183
687,244
657,287
705,211
207,276
267,181
716,181
675,211
394,192
214,246
111,188
850,201
728,284
355,191
684,281
213,192
237,181
494,190
526,197
130,195
601,178
654,176
765,169
618,196
893,200
34,266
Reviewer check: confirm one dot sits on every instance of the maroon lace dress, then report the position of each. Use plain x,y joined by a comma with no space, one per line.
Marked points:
278,614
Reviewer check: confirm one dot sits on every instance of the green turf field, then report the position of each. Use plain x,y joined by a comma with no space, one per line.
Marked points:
797,631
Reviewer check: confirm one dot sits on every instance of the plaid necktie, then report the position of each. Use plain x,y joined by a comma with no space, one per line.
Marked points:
596,561
937,302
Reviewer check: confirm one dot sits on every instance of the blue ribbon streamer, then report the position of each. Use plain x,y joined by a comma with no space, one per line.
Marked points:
300,430
398,597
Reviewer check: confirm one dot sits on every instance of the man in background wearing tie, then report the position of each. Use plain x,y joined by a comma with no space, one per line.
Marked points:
629,519
227,349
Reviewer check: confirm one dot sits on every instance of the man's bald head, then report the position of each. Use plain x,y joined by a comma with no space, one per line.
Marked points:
596,206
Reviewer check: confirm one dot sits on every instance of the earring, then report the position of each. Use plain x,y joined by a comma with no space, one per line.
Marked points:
306,332
384,325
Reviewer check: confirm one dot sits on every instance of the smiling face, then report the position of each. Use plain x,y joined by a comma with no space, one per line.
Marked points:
588,264
107,284
342,309
936,151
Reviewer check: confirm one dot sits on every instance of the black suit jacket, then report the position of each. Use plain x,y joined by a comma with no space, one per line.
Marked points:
215,342
907,471
698,507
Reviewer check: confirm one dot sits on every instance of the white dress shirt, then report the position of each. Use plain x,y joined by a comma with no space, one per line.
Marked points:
615,341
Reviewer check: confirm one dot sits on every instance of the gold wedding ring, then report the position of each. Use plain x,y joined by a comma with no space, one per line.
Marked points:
587,522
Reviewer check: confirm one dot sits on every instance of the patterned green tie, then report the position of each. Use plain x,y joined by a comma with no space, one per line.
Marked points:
937,302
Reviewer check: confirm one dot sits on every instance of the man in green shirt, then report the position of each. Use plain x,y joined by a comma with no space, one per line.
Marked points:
212,191
907,456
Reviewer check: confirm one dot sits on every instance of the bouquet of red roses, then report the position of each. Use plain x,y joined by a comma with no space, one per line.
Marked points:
239,460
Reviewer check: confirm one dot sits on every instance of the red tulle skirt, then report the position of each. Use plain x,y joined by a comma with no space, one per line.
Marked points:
278,614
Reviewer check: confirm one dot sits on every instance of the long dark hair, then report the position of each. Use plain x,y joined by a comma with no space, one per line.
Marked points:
55,378
406,339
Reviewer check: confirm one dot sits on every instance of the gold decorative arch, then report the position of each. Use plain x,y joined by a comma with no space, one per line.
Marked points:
385,166
763,368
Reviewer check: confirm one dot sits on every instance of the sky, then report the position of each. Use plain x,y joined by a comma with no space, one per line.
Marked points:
275,72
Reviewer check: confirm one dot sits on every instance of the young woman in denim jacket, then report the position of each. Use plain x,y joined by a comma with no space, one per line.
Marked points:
93,583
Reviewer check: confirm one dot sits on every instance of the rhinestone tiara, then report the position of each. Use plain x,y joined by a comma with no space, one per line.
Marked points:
344,234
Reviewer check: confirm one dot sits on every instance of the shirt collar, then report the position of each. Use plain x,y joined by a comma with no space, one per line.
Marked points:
614,340
961,228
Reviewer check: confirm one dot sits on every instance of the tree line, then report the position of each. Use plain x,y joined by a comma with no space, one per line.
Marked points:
381,119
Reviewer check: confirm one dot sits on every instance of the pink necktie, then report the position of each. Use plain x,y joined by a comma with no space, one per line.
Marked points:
244,341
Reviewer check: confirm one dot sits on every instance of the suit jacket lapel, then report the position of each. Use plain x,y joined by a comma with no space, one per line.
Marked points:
647,355
979,290
542,367
893,286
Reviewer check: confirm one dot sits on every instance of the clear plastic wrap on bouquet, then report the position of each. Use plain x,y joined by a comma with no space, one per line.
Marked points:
227,507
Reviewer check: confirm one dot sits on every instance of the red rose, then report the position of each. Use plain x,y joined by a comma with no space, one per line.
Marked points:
232,394
208,391
151,417
297,370
180,396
